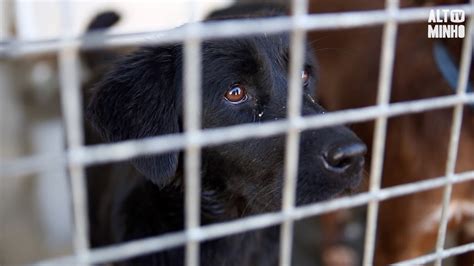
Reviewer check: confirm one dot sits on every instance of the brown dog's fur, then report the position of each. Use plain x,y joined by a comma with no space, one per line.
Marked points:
417,144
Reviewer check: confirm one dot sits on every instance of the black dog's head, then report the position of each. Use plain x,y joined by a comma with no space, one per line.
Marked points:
243,81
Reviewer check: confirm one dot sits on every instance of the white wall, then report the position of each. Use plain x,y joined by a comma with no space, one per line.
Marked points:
41,19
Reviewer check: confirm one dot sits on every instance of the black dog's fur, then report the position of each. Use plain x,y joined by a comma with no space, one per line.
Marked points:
142,97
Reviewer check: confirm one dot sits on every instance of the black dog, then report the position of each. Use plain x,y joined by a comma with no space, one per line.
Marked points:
244,80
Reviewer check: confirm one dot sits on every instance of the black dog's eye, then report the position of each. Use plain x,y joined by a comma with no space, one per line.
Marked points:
236,94
305,77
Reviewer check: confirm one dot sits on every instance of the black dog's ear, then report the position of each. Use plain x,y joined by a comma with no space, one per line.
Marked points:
140,98
249,10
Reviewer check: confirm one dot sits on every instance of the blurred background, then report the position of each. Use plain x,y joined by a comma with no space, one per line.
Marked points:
35,213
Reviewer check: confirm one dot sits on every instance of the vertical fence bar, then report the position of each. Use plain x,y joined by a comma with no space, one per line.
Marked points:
295,92
71,104
192,125
454,138
383,98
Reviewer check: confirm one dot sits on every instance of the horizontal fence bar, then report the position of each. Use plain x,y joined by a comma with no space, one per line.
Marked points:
119,151
208,232
451,252
222,29
103,153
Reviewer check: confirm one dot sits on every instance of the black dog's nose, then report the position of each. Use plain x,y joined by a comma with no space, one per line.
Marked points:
340,157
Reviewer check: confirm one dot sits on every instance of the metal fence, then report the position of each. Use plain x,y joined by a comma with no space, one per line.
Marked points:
78,156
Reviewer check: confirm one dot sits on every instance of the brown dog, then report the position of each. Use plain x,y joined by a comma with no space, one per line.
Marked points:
416,145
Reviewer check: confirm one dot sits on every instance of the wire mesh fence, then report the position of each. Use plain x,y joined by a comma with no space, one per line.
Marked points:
77,156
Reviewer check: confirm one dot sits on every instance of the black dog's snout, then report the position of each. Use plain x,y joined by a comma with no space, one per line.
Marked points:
338,158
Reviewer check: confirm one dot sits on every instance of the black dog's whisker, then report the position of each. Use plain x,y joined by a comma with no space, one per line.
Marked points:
316,40
253,199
